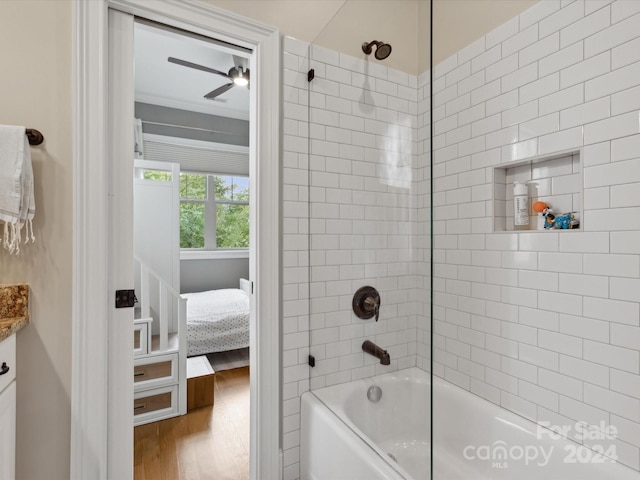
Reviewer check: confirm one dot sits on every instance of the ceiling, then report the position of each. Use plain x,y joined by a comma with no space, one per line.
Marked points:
159,82
341,25
344,24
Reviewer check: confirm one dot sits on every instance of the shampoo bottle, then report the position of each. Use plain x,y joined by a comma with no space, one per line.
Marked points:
520,206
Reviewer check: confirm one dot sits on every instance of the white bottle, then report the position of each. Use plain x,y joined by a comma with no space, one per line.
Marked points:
520,206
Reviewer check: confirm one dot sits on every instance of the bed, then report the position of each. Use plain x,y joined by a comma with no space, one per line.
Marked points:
217,321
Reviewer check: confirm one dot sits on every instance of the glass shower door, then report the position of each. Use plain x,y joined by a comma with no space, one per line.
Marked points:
366,187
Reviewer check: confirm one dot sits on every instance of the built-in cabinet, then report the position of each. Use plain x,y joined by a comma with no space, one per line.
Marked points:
8,408
159,365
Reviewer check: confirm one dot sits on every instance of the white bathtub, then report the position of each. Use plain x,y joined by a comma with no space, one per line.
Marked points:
344,436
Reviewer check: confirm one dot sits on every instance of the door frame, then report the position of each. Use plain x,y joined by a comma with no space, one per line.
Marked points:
101,447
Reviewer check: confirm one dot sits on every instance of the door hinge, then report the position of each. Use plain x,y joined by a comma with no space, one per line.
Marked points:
312,361
125,298
311,75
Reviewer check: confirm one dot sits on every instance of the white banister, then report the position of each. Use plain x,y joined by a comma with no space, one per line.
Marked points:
169,301
144,291
182,358
164,315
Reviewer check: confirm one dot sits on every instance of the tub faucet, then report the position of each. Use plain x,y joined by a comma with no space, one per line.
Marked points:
372,349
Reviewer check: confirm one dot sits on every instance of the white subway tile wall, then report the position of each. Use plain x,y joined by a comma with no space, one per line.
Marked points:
555,315
296,321
545,324
356,212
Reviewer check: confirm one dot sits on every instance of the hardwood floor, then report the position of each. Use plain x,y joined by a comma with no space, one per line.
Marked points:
210,443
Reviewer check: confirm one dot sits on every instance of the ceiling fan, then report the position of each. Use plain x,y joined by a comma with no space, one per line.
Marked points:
238,74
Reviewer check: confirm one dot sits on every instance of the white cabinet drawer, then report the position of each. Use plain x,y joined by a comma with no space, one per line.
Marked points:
7,361
151,405
155,371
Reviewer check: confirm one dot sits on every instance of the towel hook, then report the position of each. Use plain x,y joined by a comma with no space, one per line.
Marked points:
34,136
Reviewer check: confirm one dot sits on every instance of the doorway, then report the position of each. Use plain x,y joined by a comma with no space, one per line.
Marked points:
102,391
192,237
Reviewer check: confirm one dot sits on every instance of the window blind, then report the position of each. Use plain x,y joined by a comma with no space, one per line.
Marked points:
198,156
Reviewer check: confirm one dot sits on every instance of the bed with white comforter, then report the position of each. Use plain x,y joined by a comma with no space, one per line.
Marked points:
217,320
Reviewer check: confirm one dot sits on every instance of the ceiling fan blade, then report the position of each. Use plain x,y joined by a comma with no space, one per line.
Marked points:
219,91
184,63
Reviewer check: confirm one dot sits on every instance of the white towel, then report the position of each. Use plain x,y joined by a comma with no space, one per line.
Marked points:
17,203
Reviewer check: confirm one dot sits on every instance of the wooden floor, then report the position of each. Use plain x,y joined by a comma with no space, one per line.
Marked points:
207,443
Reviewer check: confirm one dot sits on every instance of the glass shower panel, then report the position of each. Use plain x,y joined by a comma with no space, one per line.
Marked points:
530,378
368,230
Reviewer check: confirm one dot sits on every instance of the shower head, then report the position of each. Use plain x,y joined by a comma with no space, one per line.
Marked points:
383,50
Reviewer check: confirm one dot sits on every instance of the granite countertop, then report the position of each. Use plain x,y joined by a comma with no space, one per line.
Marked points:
14,309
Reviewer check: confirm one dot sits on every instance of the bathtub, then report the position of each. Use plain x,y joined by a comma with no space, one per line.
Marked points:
344,436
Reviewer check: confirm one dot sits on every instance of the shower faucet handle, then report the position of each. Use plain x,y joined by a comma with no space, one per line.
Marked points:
373,302
366,303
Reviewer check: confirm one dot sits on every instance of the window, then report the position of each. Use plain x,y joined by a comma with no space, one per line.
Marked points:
214,212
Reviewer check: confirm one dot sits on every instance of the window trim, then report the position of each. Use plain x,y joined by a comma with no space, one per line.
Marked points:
210,249
220,254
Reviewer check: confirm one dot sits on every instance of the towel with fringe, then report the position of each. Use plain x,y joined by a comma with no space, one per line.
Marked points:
17,202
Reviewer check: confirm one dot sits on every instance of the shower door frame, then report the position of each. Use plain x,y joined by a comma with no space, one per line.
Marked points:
101,443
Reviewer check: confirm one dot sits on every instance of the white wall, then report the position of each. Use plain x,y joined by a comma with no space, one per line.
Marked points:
36,92
544,324
295,246
201,275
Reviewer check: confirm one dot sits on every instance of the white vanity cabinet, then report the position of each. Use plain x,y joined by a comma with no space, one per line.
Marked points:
8,408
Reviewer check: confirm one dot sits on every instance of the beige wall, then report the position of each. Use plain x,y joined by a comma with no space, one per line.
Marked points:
458,23
36,92
343,25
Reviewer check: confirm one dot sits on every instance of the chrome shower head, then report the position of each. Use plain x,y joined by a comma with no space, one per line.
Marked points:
383,50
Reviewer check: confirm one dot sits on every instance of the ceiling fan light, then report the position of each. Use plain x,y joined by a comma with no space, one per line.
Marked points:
239,76
241,81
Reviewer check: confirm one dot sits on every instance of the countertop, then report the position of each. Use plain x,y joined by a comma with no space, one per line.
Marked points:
14,309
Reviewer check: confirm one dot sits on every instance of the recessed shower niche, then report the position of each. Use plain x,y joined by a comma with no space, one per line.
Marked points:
555,180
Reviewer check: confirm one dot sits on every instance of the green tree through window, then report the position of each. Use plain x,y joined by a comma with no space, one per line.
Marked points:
214,212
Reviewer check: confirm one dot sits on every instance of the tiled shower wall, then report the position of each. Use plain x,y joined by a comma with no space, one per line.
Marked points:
364,177
362,218
545,324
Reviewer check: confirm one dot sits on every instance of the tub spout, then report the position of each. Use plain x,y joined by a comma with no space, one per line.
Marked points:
372,349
